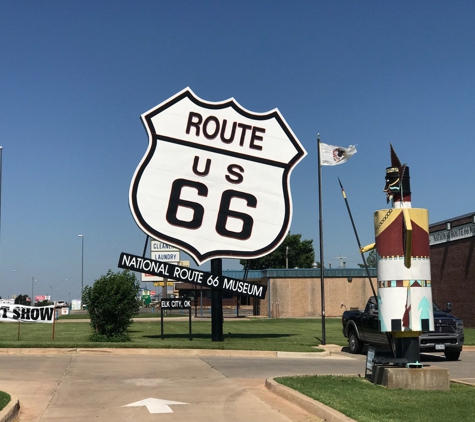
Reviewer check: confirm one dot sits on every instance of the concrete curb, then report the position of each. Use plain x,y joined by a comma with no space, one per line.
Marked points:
163,352
468,348
11,411
311,406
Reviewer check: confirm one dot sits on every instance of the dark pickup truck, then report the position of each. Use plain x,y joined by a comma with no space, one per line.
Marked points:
361,327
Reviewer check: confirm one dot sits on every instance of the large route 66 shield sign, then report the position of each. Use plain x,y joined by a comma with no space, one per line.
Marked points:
215,178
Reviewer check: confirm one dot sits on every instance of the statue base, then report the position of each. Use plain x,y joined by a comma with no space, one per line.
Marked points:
425,378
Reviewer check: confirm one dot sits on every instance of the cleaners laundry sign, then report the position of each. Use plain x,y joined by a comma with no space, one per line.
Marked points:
163,252
214,180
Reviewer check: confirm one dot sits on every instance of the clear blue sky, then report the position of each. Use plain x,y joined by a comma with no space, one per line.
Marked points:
77,75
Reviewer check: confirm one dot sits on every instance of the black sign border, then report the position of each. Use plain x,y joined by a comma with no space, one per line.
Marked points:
153,140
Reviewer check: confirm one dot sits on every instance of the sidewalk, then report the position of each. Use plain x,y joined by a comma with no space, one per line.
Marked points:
80,384
13,408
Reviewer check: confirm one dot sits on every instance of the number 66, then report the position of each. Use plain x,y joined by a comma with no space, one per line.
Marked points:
224,213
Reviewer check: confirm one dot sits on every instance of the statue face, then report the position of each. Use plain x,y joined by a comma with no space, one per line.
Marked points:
392,185
397,182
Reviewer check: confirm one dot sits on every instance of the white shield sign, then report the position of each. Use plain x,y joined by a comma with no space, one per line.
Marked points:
215,178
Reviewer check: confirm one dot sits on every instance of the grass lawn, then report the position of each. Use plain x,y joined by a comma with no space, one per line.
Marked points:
147,314
469,334
365,402
292,335
4,399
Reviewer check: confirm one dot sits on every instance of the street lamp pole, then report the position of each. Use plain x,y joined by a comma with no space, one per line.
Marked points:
82,263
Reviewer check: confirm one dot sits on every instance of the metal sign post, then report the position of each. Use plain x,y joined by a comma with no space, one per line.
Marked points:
216,304
175,304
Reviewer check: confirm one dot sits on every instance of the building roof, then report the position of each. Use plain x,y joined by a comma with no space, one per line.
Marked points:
451,220
300,273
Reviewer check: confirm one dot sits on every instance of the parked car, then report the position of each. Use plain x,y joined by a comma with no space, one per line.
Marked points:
361,327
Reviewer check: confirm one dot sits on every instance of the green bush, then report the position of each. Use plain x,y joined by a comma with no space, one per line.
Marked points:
111,303
116,338
4,399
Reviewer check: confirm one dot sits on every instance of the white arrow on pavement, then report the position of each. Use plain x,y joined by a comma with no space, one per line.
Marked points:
155,405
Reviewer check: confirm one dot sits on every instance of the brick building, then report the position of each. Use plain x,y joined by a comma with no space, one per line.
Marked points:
296,293
452,244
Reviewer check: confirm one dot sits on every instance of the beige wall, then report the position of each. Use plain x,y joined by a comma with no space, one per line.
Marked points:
300,298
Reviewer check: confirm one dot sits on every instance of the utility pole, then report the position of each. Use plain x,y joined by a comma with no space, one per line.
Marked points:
82,264
341,259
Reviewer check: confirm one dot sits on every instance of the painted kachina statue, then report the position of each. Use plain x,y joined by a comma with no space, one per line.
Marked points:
402,247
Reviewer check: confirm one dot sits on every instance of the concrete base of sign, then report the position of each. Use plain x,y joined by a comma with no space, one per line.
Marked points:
427,378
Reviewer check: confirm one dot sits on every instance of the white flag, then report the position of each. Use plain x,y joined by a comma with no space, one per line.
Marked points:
331,155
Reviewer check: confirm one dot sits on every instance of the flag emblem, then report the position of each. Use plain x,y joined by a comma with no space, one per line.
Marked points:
331,155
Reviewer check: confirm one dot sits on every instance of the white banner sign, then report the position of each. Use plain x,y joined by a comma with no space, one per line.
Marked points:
75,305
149,278
15,313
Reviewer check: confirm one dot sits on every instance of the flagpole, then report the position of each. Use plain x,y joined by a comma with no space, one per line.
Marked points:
322,280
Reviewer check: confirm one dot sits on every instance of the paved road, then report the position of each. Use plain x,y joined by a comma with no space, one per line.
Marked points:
339,363
96,386
462,370
80,385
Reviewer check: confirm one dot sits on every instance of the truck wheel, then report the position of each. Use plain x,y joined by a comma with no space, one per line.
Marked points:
393,344
356,346
452,355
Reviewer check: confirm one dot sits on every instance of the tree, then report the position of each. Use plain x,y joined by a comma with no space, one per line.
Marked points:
371,260
111,303
300,254
23,300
